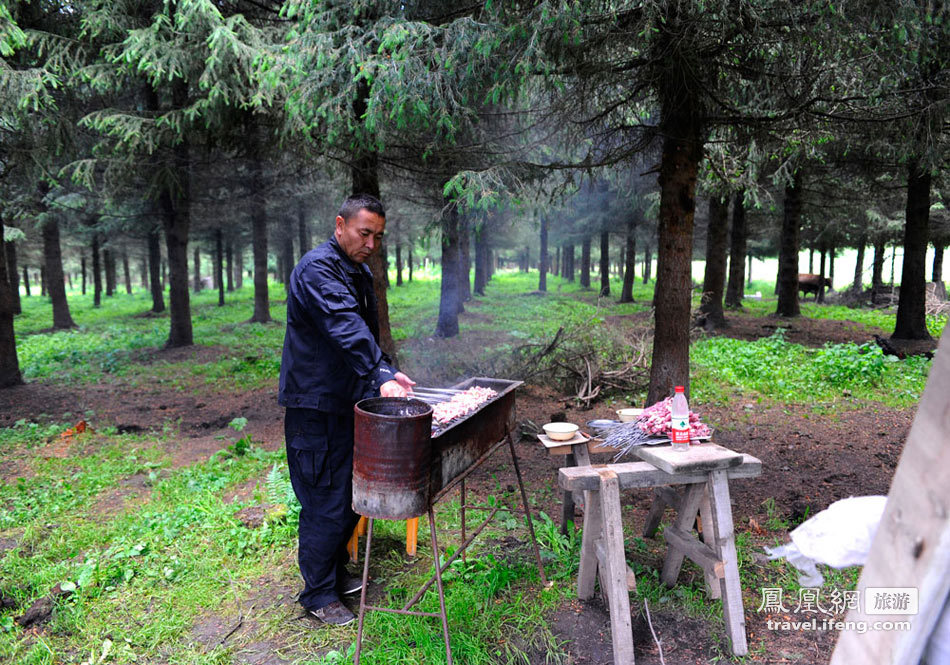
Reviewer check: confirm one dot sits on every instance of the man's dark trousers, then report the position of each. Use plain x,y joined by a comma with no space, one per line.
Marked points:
320,460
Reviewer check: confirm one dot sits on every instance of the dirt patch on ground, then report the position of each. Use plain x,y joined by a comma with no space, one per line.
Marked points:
800,330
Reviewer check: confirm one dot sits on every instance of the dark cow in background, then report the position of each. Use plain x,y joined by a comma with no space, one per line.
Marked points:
809,283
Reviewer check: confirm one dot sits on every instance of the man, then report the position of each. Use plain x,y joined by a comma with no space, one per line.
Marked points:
331,360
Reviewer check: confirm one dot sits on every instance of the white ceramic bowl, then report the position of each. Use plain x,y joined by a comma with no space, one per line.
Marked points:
629,415
560,431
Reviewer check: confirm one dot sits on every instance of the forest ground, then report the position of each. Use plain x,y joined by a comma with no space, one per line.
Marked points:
814,451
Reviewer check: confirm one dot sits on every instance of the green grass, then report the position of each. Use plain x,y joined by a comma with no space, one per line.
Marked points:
144,575
777,369
115,339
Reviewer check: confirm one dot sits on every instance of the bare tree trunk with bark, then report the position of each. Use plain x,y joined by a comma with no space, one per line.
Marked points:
543,263
126,273
735,288
219,264
9,363
630,259
877,270
681,154
604,264
55,284
585,263
448,324
857,286
714,278
155,271
912,305
13,274
788,249
465,261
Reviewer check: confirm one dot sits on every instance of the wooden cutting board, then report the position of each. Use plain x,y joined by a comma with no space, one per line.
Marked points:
699,458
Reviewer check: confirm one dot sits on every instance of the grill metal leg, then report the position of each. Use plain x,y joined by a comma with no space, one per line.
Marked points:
438,581
359,630
527,509
463,517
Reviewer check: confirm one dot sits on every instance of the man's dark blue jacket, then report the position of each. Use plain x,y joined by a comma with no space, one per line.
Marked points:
331,357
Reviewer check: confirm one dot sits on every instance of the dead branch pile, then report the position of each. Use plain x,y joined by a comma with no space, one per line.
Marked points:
589,361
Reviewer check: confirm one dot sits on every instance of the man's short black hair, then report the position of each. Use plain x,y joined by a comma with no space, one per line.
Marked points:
353,204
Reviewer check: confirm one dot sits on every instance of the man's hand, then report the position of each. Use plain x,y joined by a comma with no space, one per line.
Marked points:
401,386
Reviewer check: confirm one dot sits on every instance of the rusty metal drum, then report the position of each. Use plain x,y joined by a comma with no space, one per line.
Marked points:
392,457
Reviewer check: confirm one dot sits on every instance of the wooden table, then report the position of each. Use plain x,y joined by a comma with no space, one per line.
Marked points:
577,452
705,470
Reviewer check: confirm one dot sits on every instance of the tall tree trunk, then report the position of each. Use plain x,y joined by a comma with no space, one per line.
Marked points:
748,272
481,261
585,263
604,264
43,281
398,263
714,279
26,281
229,261
126,273
82,268
820,296
788,249
543,263
96,272
239,268
287,254
630,259
912,305
13,275
155,270
877,270
448,325
175,204
811,259
682,152
365,176
52,254
831,267
735,288
937,270
409,262
558,264
568,255
303,231
465,260
858,285
258,211
108,262
647,262
219,264
143,269
9,363
196,266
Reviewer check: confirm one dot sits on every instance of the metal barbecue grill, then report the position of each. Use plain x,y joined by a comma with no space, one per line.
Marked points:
455,450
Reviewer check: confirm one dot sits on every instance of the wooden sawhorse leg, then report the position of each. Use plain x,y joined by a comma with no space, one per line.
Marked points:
602,555
717,556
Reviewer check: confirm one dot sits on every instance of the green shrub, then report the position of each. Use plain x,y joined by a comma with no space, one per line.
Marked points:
850,364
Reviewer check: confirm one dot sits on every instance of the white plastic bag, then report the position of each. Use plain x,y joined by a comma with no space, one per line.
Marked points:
838,536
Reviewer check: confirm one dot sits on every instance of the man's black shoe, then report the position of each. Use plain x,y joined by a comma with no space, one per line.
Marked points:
348,584
334,614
